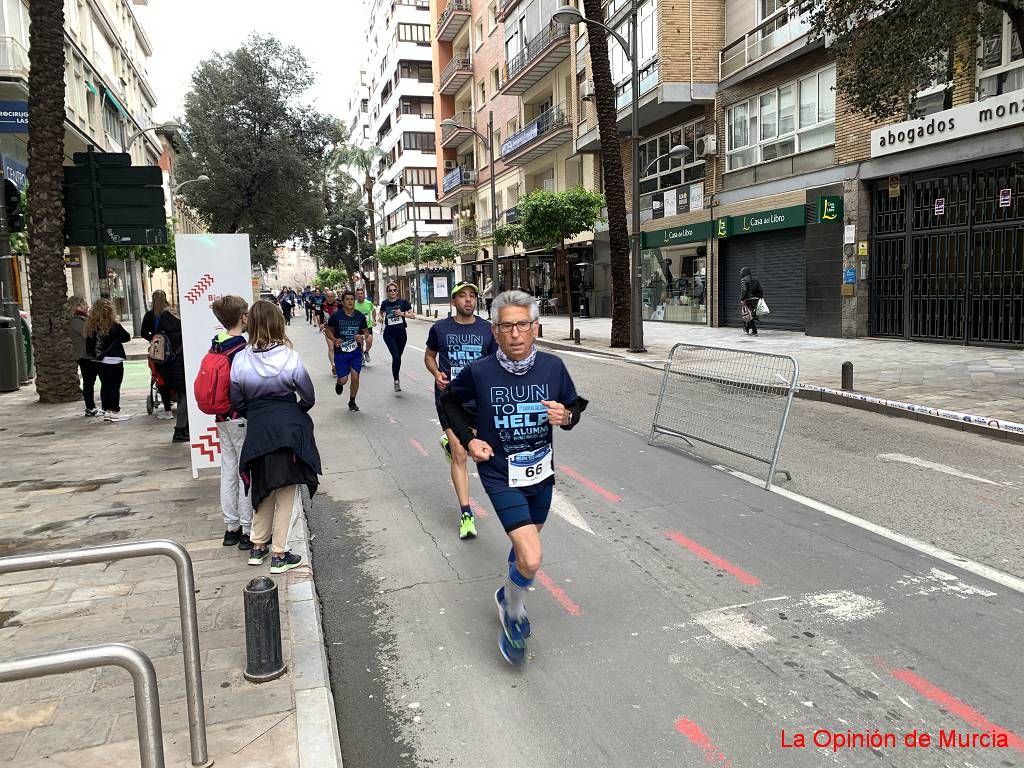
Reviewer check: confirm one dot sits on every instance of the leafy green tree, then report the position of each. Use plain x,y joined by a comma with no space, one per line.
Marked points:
264,150
397,255
330,278
19,240
890,50
508,235
442,250
551,218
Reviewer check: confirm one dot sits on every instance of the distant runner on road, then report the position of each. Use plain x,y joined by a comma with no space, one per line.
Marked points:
393,313
520,394
366,307
452,344
344,331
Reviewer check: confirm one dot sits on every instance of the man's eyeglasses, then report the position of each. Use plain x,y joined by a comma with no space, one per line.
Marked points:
522,326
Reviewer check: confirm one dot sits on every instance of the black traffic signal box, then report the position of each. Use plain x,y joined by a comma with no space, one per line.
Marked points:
108,201
12,207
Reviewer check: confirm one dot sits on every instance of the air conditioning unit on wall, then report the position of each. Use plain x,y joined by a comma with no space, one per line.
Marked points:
587,90
449,165
706,146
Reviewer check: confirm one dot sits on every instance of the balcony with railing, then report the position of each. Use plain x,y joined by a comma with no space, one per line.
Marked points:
456,179
453,18
549,130
588,137
650,76
786,28
13,59
505,7
454,136
456,74
537,58
465,235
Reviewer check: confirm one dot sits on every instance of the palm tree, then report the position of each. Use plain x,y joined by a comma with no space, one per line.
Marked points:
362,159
56,373
614,180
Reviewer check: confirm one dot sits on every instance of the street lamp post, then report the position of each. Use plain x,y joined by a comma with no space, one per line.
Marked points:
488,143
168,126
570,15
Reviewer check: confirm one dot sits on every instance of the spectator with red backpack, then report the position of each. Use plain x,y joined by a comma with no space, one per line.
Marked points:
213,396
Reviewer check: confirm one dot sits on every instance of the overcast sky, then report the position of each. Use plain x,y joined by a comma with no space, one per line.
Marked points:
183,32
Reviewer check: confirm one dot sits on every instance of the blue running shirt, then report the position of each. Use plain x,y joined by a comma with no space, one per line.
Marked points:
346,327
511,418
459,345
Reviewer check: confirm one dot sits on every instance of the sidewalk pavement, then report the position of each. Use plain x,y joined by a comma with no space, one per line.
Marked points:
69,482
984,381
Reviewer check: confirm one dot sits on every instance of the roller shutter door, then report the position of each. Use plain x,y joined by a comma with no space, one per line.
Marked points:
777,260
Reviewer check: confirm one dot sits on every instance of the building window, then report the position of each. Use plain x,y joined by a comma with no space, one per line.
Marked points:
647,38
414,33
795,117
420,177
422,141
495,80
492,16
415,70
113,125
479,33
1001,60
668,172
481,89
421,107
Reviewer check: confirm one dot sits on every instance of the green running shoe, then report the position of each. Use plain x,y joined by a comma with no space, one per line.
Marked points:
447,448
467,527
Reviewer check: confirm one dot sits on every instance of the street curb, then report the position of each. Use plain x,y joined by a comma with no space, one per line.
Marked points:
317,737
961,422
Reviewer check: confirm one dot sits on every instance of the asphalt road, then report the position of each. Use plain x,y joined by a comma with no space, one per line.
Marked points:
684,617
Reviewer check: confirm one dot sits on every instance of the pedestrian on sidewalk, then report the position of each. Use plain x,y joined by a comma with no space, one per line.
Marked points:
271,389
750,294
213,394
173,371
488,295
104,344
78,311
150,327
393,313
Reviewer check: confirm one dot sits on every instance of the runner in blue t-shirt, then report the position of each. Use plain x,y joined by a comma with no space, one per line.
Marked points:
520,394
344,330
452,344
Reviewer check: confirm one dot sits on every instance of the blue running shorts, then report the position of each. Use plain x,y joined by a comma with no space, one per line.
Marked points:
517,507
346,361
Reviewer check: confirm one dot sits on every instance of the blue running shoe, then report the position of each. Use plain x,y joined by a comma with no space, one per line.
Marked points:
514,656
499,600
513,629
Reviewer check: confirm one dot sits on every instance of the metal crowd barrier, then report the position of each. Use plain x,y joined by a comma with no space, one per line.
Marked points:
733,399
186,609
147,697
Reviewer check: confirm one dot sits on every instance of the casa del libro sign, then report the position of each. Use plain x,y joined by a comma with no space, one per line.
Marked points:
971,119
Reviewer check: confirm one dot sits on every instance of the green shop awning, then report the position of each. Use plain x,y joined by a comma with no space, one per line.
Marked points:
765,221
686,233
93,88
116,103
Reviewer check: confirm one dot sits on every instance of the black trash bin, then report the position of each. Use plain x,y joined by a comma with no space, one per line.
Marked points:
10,338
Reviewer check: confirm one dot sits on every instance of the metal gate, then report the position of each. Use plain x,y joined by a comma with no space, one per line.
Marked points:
778,260
948,257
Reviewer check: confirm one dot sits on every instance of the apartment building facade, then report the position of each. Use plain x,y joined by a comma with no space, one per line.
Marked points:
395,113
506,70
109,99
908,230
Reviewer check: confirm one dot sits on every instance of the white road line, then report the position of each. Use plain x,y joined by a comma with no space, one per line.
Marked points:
418,349
566,510
971,566
925,464
577,354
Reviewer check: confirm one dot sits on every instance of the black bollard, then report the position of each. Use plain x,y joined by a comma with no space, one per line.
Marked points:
576,335
847,376
435,314
540,330
264,659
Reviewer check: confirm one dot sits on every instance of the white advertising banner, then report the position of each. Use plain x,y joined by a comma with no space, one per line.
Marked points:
209,266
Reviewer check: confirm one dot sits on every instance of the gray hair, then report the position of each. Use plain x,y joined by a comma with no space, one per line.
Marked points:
515,299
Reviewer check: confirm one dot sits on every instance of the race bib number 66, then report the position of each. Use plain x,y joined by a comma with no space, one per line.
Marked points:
530,467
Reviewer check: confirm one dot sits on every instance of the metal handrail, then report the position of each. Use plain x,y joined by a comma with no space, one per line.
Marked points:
457,177
13,56
138,665
782,27
453,66
186,609
449,11
534,48
465,120
549,120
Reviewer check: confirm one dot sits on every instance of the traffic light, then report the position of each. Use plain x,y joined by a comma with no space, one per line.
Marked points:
12,207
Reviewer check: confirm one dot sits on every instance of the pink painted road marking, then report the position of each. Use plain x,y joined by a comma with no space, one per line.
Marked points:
478,511
951,703
699,739
418,446
711,557
559,594
412,376
612,497
391,419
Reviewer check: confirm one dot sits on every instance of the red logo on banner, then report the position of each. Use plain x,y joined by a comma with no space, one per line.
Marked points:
197,290
209,443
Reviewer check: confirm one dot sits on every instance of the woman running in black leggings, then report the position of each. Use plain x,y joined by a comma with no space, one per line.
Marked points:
393,312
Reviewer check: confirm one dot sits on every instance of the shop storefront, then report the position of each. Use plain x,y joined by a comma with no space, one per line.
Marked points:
674,274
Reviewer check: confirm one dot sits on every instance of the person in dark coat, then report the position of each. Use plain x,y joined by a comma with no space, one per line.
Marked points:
750,292
271,389
149,327
104,344
173,371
